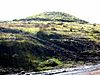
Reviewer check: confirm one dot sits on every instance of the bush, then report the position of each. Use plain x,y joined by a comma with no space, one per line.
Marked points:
51,62
94,24
54,29
95,31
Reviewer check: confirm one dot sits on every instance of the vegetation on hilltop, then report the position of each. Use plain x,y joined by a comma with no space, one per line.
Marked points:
54,16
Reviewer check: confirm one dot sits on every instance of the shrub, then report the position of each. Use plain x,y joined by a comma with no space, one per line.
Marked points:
52,62
54,29
94,24
71,29
95,31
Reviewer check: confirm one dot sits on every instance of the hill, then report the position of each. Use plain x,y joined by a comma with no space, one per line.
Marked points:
39,46
54,16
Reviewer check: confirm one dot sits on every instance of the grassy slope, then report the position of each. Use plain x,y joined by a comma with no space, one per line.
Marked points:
30,46
44,44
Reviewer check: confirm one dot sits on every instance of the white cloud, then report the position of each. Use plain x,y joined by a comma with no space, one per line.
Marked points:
85,9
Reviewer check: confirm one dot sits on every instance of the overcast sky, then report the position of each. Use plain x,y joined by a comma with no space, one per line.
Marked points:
88,10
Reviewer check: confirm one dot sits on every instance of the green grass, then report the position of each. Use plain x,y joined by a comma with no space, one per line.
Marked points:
29,30
36,53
